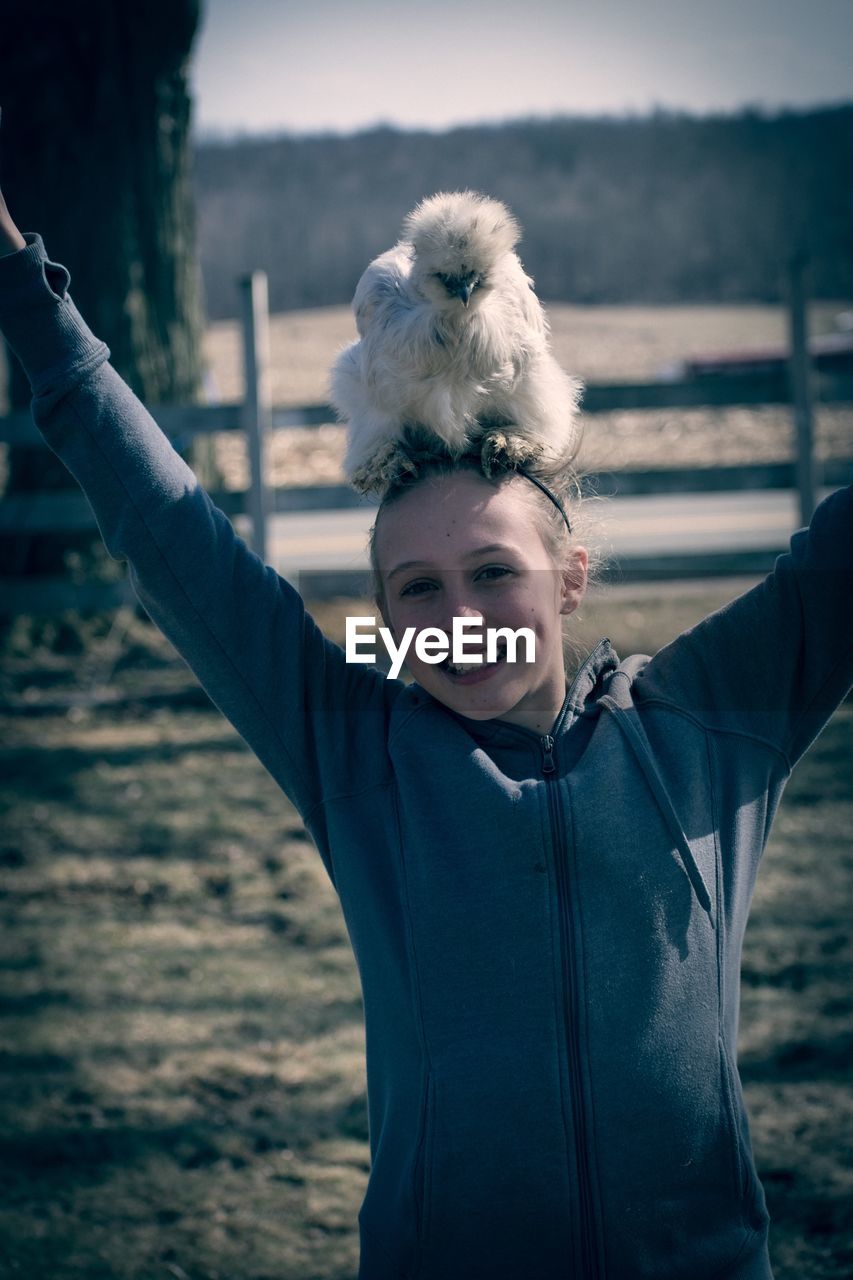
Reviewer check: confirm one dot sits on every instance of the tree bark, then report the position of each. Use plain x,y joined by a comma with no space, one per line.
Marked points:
96,156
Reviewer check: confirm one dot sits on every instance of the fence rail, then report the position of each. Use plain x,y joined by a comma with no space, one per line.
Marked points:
69,511
182,422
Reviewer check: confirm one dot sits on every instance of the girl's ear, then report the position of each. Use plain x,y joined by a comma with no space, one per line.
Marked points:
574,580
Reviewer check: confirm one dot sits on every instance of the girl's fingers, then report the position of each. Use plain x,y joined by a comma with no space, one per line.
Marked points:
11,239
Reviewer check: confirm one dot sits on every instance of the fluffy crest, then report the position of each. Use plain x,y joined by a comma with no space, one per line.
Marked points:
458,231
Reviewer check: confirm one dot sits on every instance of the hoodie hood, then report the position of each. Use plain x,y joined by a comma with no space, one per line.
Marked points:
590,682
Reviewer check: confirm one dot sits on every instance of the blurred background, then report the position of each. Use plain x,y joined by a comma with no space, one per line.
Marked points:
180,1020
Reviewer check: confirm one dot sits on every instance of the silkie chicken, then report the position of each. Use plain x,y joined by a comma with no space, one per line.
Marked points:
453,348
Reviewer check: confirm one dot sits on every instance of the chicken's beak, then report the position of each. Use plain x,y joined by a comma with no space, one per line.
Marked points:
465,293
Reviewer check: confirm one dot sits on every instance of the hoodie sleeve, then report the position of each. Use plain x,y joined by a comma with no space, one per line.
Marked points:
318,724
777,661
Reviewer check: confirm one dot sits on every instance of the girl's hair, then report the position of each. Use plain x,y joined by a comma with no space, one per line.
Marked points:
567,483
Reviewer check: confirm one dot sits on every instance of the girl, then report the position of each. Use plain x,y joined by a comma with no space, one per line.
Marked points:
546,883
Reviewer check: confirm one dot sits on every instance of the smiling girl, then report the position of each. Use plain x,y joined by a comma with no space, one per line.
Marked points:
457,546
546,880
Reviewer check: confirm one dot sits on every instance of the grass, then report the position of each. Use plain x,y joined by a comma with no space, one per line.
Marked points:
181,1046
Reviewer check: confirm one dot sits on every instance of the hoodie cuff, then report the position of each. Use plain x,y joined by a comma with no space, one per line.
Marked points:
41,323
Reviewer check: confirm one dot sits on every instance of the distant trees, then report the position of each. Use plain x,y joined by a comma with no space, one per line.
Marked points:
660,209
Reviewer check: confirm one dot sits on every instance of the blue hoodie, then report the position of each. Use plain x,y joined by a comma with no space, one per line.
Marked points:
547,927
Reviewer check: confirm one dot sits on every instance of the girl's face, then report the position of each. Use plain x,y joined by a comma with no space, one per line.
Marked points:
456,546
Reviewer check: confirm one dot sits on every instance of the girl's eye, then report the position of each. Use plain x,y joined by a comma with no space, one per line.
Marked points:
492,572
412,589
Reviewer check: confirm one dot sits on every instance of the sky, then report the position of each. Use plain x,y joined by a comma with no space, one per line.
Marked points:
264,66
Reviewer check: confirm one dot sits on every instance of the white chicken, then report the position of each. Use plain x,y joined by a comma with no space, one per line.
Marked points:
453,348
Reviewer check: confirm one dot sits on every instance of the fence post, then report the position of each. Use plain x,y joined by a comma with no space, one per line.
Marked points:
801,386
257,407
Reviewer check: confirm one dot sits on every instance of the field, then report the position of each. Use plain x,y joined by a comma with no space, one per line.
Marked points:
182,1075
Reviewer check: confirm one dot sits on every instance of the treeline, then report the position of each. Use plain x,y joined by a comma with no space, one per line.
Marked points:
664,208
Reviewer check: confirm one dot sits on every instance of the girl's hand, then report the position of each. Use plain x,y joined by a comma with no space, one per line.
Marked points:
11,239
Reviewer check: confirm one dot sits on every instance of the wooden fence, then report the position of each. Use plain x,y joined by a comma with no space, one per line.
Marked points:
797,385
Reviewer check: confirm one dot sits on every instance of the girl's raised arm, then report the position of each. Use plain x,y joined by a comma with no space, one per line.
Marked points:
776,662
316,723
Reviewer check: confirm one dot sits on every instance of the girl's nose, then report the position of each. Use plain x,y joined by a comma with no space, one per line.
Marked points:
459,607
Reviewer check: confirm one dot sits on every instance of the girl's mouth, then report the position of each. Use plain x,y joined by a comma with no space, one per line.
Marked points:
472,672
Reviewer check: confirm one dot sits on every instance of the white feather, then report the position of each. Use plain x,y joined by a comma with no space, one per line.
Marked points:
426,359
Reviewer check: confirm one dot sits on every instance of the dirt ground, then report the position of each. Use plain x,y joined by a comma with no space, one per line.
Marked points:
181,1045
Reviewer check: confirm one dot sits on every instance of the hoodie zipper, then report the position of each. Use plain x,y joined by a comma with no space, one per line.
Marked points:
589,1256
589,1264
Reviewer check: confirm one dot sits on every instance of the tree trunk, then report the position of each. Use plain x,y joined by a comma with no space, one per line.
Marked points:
95,146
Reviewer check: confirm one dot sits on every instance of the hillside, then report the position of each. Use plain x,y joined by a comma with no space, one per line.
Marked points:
665,208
